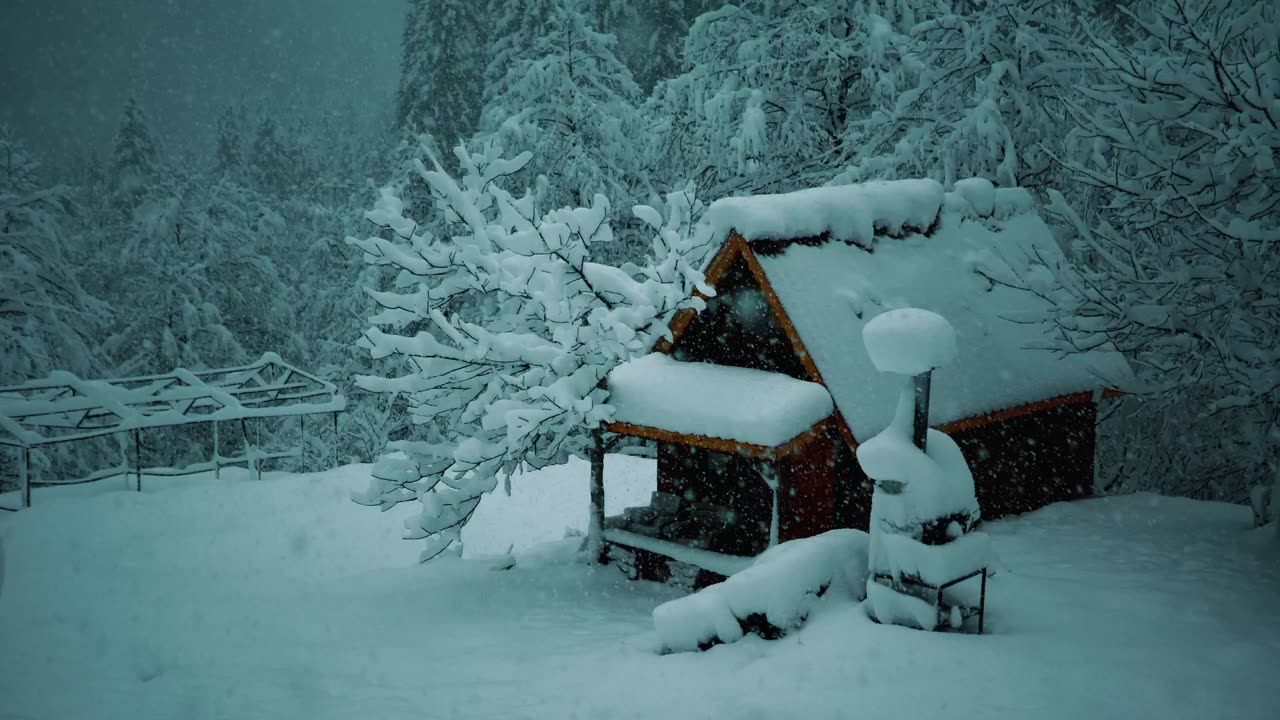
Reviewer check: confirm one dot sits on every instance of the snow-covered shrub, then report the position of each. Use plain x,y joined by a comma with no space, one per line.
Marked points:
771,597
504,331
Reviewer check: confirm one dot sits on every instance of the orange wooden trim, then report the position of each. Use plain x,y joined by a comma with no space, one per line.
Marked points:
978,421
699,441
715,444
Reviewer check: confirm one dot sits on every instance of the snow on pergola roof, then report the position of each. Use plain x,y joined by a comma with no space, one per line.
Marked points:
753,407
835,257
63,407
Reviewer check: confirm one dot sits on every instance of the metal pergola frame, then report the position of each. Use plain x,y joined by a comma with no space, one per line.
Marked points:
63,408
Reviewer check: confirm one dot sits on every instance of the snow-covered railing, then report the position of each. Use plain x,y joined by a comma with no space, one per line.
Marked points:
64,408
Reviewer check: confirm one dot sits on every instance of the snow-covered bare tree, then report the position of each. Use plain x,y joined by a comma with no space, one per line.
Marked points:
512,377
1178,143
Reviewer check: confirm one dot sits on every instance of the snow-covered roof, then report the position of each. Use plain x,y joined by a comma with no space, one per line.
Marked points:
910,244
747,406
63,407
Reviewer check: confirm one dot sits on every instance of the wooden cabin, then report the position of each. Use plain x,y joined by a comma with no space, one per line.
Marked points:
758,401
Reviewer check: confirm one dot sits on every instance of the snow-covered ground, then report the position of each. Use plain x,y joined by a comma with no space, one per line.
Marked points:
282,599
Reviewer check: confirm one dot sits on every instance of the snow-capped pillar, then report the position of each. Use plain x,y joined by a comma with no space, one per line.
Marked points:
217,460
24,476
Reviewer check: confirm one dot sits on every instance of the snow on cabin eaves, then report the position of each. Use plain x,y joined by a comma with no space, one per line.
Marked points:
732,403
922,248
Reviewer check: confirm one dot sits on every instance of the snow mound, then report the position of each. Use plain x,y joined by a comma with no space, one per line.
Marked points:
909,341
749,406
979,193
774,595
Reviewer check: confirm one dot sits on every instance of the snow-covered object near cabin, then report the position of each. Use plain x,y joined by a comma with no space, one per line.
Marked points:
909,341
777,592
837,257
749,406
924,506
935,483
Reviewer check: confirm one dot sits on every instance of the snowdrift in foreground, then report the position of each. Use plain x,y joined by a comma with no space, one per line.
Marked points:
771,597
199,598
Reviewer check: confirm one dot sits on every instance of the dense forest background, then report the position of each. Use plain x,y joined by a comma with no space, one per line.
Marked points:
1149,131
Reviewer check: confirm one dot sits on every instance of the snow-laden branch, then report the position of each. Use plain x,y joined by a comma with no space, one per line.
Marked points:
506,329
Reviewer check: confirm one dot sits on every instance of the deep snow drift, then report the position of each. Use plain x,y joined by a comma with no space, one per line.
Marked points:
282,599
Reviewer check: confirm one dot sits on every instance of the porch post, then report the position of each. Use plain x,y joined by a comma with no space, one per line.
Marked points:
24,476
217,461
597,551
137,457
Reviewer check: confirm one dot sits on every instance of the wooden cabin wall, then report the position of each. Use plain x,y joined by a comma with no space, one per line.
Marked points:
852,489
731,481
807,499
739,328
1030,461
1018,465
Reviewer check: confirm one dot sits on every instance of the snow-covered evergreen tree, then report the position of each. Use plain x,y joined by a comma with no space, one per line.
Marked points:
964,90
228,157
513,377
276,164
134,159
47,321
650,33
765,99
568,99
442,65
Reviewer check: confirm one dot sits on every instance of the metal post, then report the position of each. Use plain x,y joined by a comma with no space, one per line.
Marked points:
217,459
24,477
920,425
137,457
335,439
982,602
302,439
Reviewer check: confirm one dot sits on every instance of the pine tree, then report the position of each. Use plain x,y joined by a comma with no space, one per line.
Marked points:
228,159
275,166
47,321
442,68
134,159
567,98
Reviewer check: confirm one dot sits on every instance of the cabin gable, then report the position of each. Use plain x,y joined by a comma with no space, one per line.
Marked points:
739,327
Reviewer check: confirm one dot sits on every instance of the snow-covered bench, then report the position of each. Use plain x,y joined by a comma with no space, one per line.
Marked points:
771,597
